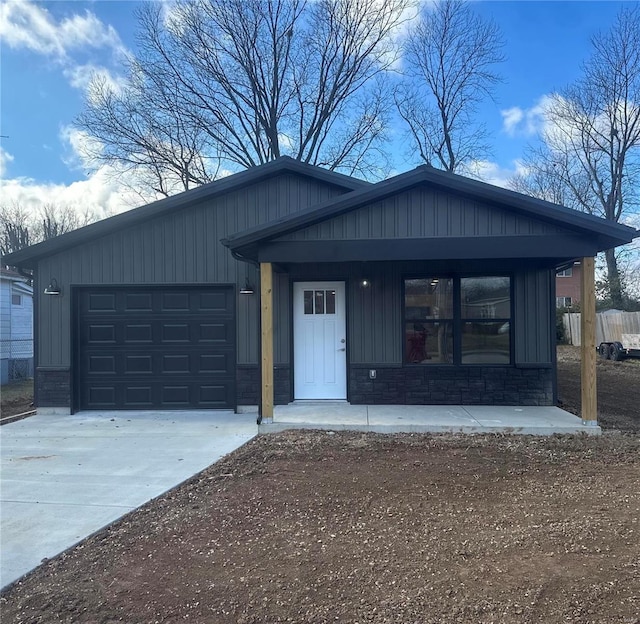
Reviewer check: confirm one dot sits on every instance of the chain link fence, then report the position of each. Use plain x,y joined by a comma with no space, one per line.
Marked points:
17,359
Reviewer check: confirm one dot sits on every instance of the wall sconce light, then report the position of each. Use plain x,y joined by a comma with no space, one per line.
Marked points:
247,289
365,283
53,288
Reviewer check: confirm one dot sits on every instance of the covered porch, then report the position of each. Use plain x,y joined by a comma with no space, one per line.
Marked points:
465,268
473,419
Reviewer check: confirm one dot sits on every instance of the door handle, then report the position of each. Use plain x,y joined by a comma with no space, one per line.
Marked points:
343,349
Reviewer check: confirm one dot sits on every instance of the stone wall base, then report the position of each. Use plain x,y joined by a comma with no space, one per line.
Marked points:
477,385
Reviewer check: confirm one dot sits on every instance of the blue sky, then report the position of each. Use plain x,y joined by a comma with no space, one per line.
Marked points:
49,49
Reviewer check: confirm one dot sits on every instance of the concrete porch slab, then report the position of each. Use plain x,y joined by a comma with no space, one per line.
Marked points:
338,414
545,420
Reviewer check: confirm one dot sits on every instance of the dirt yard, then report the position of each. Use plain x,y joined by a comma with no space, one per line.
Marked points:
321,527
16,397
618,385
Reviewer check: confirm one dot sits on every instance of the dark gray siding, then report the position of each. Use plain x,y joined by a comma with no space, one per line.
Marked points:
179,248
534,338
424,212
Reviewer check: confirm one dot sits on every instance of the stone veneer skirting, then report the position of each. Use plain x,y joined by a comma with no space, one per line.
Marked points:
248,385
410,385
459,385
53,387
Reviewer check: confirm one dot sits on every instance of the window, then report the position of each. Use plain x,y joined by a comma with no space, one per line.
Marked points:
457,320
16,300
566,273
563,302
319,301
486,310
429,320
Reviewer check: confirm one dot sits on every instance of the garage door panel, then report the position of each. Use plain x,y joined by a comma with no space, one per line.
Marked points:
214,302
156,349
137,333
101,364
138,302
176,301
102,397
101,302
138,396
136,364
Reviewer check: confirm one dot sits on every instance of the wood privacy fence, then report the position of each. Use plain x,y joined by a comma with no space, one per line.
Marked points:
609,327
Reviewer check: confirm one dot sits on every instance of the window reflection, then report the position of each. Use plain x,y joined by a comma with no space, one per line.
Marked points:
429,343
308,301
330,298
485,297
486,343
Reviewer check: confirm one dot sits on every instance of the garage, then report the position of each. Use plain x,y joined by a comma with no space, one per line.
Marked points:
155,347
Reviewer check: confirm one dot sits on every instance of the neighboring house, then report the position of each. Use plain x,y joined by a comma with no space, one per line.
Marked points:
568,286
16,327
292,281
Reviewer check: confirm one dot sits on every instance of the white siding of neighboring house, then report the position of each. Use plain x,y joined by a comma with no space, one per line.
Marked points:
16,323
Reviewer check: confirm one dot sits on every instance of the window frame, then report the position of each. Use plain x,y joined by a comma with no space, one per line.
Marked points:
13,299
564,302
457,319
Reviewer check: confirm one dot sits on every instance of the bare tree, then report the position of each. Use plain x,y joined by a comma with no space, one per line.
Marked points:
450,57
15,229
20,227
237,83
54,220
591,145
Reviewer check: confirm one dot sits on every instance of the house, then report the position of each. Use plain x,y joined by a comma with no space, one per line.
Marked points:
568,285
290,282
16,327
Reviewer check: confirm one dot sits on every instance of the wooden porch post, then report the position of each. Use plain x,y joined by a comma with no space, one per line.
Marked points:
588,343
266,337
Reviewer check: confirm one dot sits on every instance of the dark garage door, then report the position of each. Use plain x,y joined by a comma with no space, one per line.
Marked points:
156,348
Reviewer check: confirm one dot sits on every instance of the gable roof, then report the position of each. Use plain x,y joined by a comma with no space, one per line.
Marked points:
608,233
12,276
28,256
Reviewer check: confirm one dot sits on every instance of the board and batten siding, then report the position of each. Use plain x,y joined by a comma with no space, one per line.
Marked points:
424,212
179,248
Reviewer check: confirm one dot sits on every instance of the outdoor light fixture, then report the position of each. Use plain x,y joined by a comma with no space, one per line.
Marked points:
365,283
53,288
247,289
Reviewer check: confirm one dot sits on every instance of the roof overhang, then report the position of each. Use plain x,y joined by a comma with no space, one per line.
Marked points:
585,235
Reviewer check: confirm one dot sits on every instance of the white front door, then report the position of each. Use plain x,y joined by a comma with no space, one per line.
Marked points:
319,340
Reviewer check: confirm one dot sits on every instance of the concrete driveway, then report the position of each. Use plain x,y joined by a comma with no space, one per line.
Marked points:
65,477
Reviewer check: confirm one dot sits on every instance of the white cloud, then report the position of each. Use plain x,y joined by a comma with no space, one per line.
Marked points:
511,117
5,158
80,147
24,25
526,122
493,173
80,77
100,193
104,192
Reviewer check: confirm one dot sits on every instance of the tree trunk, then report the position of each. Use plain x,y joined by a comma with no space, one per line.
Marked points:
613,277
